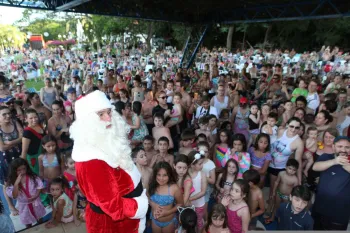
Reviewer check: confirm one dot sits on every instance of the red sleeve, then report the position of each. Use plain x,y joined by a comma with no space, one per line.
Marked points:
101,185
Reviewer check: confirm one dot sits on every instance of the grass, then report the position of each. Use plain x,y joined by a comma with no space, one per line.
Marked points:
37,85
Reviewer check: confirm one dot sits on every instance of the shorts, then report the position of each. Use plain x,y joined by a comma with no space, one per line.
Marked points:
282,196
274,171
208,193
200,217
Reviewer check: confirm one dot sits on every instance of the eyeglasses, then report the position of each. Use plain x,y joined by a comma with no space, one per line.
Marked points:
162,97
293,126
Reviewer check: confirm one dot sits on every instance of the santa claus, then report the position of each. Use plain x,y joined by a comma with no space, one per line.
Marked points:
105,171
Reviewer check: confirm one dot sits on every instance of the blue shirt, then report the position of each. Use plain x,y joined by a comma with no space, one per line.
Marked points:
288,221
333,193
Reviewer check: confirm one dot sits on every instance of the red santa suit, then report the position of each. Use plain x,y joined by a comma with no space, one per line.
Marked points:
107,176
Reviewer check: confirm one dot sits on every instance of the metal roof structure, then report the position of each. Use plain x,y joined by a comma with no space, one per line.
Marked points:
197,12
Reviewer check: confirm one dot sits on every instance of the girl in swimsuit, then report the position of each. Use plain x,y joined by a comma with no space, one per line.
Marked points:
50,161
182,177
164,198
217,220
221,149
225,180
238,214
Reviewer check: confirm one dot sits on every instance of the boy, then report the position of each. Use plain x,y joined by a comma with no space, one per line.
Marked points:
163,145
159,130
288,111
140,159
255,198
187,139
148,146
270,128
284,184
300,91
169,91
203,128
293,216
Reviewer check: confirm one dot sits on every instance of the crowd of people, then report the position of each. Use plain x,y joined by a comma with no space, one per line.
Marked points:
207,139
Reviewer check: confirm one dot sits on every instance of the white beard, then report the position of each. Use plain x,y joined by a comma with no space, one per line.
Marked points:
93,140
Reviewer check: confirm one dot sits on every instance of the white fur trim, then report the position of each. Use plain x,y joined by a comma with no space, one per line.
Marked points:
142,206
135,175
92,102
142,225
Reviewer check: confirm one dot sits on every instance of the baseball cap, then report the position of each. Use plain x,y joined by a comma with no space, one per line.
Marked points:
337,139
243,100
71,90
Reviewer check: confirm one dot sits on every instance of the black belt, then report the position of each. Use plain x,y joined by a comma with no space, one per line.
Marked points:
135,193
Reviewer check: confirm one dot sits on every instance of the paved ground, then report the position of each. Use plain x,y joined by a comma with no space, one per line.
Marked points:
62,228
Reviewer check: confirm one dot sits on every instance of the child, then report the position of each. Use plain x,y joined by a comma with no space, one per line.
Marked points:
164,198
226,178
283,186
182,177
288,112
169,91
70,176
176,113
188,220
237,212
160,130
296,210
254,121
255,197
50,162
163,145
212,125
187,139
221,149
200,183
310,149
140,159
209,170
300,91
148,146
79,205
260,156
238,153
25,187
217,220
139,126
62,207
203,127
6,224
270,127
201,138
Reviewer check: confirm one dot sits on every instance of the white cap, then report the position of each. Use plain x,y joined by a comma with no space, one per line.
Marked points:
90,103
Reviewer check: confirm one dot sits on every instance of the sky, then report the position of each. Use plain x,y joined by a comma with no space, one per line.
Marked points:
10,14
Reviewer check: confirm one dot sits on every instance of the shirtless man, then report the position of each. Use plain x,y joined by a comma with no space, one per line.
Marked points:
163,145
148,146
140,159
186,100
283,186
204,82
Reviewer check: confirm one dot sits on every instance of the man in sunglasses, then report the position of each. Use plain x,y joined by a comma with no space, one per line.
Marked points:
332,203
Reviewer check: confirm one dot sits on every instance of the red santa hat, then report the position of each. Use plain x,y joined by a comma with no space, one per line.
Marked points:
90,103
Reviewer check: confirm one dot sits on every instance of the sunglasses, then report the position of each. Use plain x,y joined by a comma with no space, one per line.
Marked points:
293,126
163,97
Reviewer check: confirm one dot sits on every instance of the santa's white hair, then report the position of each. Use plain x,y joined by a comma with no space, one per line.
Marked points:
93,140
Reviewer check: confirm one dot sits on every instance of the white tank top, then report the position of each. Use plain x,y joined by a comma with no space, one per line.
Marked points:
219,105
197,185
343,125
281,151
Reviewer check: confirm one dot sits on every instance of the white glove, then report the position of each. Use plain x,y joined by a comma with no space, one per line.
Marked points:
142,205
